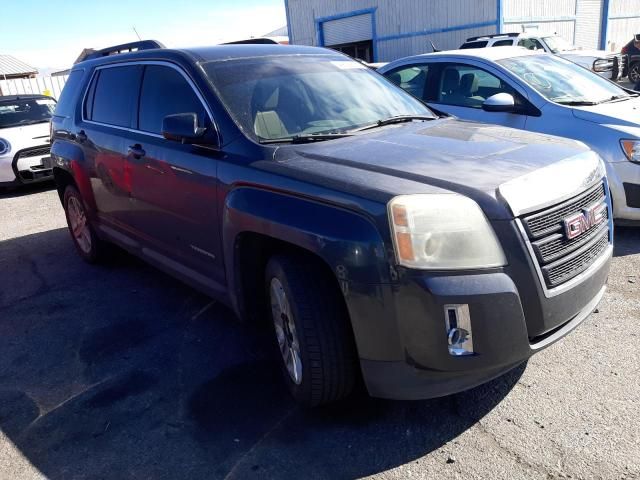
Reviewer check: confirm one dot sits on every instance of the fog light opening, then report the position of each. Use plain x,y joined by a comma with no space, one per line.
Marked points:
459,333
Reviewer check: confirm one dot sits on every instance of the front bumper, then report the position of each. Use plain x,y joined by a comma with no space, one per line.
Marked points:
26,166
402,337
624,182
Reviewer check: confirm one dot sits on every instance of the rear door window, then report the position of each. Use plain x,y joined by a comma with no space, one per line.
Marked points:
115,96
503,43
166,92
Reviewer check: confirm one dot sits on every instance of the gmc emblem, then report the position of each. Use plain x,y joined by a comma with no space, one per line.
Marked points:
577,224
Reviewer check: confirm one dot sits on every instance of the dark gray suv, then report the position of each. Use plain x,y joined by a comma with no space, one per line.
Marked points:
382,240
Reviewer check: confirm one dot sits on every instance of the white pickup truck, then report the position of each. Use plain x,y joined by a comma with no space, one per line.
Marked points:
609,65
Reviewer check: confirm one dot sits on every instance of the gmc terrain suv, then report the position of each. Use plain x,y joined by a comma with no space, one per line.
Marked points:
424,254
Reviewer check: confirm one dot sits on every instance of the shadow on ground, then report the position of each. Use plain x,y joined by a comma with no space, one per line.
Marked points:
119,371
29,189
627,241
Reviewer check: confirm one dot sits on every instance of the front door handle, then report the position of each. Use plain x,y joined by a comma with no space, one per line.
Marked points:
136,151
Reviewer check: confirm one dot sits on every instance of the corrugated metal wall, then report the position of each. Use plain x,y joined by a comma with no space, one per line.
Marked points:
403,27
399,23
624,22
41,85
542,16
589,23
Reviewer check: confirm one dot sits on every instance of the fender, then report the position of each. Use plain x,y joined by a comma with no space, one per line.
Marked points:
348,242
70,158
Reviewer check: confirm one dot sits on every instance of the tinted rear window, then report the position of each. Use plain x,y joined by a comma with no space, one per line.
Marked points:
503,43
68,94
165,92
116,95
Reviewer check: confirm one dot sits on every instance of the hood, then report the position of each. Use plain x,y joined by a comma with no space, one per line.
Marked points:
469,158
26,136
625,113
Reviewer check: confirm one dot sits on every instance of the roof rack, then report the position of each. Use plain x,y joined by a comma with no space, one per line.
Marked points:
495,35
254,41
125,48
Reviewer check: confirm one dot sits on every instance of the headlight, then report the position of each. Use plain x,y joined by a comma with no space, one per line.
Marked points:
631,149
442,232
5,146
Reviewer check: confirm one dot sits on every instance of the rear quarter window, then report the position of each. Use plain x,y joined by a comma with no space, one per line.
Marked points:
69,94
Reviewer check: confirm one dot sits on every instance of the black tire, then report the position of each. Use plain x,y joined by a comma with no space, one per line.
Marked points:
323,329
634,72
96,250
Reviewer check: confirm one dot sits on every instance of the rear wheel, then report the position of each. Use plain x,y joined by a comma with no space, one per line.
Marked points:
87,243
634,72
312,330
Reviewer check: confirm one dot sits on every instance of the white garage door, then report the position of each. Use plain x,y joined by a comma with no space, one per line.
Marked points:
589,16
347,30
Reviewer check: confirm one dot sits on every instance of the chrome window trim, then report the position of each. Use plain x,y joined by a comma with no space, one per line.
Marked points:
146,62
578,279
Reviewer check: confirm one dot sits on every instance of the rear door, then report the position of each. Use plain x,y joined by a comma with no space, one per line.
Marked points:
173,185
108,112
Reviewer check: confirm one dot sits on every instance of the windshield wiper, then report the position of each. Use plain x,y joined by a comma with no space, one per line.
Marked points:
305,138
394,119
618,98
578,103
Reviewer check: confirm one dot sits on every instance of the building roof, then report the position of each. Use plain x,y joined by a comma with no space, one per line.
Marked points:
11,66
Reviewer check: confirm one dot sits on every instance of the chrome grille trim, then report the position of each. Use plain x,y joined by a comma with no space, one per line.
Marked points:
561,264
548,221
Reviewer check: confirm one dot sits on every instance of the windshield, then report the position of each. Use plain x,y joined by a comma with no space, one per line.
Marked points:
288,96
26,111
558,44
561,81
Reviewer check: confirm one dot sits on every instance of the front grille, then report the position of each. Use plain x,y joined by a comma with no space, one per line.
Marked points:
33,152
560,259
550,220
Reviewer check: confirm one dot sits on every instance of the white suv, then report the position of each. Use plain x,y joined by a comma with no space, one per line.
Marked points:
24,139
611,66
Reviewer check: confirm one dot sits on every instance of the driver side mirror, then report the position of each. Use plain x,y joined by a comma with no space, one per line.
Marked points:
183,128
500,102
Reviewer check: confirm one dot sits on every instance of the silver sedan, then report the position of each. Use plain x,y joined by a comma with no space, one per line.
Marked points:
532,91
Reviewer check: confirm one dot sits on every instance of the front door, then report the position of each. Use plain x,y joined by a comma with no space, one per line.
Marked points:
173,185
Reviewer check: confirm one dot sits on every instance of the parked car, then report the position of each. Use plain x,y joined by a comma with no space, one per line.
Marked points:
531,91
423,253
612,66
632,50
24,139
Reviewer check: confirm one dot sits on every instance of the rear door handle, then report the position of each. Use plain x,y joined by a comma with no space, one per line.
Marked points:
136,151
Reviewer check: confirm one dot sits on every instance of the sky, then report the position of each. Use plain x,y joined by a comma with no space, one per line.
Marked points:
50,35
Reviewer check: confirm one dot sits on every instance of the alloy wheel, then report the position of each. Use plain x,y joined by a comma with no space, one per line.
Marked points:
285,330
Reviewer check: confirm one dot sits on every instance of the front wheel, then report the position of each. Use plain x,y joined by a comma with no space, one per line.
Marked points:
312,330
634,72
87,243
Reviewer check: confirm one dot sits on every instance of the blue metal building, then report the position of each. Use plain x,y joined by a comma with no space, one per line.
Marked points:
383,30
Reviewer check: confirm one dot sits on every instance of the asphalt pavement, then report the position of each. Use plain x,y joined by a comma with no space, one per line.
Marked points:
121,372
